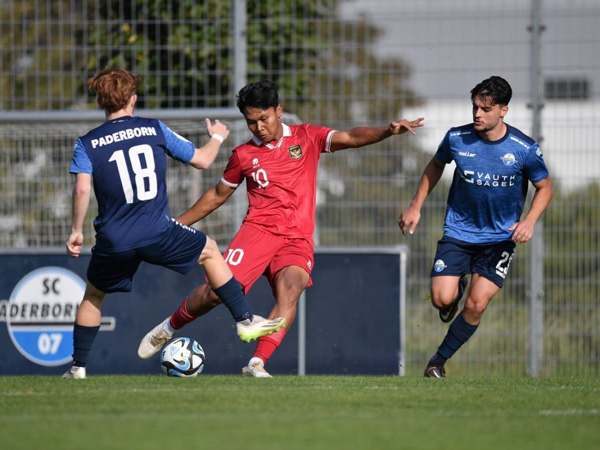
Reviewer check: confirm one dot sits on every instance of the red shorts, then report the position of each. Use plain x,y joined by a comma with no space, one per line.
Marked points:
254,253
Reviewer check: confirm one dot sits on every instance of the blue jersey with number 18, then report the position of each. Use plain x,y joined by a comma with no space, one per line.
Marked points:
127,158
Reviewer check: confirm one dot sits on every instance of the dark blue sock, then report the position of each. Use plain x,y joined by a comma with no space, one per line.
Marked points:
437,360
459,332
83,339
231,295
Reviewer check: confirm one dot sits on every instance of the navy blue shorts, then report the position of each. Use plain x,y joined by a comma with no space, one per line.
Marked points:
178,250
457,258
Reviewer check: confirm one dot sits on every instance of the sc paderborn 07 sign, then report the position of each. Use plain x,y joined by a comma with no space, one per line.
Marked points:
40,314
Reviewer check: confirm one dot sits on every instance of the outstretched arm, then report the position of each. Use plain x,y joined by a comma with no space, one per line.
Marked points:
204,156
81,201
210,200
361,136
411,215
523,230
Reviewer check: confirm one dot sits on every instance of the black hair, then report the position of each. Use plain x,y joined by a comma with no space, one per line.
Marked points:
496,88
260,95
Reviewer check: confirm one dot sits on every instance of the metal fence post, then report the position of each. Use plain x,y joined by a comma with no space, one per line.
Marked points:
240,44
302,334
536,256
402,313
240,78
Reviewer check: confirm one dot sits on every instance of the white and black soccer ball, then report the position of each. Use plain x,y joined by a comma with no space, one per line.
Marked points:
182,357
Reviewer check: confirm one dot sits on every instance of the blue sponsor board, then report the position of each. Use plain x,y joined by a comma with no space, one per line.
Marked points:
351,319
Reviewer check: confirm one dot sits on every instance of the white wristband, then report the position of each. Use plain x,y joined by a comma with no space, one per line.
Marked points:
218,137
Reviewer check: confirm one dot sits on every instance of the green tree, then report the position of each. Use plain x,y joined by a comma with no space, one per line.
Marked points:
572,243
186,47
325,67
40,62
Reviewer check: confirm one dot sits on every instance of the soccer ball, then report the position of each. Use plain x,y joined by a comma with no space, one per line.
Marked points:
182,357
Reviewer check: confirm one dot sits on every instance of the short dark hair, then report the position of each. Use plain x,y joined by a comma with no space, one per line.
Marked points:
261,95
496,88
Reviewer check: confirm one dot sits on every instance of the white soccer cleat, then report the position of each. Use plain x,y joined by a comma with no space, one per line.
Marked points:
154,340
76,373
255,369
259,326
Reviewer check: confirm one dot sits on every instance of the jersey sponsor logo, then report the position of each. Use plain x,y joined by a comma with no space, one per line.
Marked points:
40,313
123,135
439,265
508,159
488,179
467,154
295,151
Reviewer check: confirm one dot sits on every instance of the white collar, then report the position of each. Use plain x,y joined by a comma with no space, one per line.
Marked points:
287,132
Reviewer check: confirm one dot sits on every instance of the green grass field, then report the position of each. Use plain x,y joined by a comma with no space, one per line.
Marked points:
288,412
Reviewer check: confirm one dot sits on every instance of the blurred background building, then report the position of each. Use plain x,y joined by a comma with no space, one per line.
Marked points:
339,64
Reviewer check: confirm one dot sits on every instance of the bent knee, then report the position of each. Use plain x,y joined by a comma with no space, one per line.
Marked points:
210,250
440,303
474,310
441,299
211,243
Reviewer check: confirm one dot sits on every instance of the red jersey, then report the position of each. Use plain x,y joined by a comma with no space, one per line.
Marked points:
281,179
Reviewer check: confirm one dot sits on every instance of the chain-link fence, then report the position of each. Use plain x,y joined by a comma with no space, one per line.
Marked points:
338,64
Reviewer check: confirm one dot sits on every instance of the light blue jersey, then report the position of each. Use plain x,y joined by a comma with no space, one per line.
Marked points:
490,182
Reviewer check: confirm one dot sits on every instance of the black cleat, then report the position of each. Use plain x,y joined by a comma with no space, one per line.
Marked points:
448,313
435,372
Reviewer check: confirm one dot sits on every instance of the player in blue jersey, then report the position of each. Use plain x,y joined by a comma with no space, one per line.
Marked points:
494,164
126,159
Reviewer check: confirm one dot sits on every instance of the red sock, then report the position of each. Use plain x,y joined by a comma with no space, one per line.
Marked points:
268,344
181,316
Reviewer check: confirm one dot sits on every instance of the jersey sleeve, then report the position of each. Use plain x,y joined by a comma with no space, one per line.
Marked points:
321,137
443,153
178,147
535,167
233,175
81,162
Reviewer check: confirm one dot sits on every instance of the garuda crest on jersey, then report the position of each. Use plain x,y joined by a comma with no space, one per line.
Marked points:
295,151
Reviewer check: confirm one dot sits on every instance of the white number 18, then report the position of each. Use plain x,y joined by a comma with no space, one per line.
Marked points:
141,173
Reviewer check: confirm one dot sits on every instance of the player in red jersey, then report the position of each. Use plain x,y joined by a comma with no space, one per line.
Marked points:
279,165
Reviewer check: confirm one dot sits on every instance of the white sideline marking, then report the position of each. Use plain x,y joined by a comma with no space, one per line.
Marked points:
30,393
568,412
